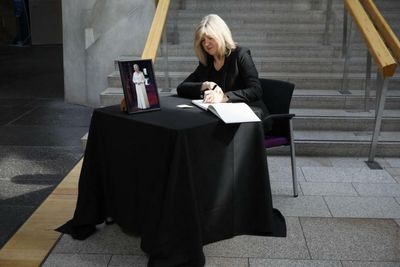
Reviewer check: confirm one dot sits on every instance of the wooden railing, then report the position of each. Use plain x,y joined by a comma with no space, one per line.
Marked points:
373,39
383,45
156,30
383,28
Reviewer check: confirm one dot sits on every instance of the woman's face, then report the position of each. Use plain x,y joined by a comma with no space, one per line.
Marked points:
136,67
209,45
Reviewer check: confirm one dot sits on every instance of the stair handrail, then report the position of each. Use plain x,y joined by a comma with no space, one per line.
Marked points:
383,27
156,33
156,30
376,46
375,41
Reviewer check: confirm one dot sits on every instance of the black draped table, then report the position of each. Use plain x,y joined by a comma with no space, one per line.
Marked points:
179,178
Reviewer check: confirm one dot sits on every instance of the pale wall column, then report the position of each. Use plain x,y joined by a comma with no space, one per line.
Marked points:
95,33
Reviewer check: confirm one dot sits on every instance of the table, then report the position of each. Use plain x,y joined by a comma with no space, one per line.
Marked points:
179,178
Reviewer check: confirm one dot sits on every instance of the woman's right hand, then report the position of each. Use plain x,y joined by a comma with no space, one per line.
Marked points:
207,86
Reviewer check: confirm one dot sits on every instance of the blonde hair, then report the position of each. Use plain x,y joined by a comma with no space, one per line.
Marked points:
213,26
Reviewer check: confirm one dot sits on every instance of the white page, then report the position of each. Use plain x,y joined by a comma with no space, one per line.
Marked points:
235,112
229,112
201,104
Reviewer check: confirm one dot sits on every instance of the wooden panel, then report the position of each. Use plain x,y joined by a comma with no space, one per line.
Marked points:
32,242
383,27
376,46
156,31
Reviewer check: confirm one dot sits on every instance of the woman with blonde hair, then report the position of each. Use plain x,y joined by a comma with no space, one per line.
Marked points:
226,72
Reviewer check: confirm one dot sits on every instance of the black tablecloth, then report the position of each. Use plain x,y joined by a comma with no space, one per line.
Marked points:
179,178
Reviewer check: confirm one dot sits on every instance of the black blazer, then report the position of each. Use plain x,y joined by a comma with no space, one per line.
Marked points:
241,80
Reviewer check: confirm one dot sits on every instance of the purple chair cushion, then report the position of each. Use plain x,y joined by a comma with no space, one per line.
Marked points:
273,141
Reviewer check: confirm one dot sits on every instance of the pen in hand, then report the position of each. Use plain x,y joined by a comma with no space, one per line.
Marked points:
202,92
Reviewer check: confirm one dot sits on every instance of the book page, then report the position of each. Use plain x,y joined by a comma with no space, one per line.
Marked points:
234,112
229,112
201,104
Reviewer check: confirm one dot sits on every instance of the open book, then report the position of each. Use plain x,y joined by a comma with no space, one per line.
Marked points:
229,112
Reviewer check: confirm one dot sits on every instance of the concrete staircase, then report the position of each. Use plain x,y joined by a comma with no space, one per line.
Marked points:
286,40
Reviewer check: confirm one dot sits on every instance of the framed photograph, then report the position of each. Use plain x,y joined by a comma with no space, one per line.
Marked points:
139,85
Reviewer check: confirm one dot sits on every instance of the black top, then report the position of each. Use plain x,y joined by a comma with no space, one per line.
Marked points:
238,77
217,76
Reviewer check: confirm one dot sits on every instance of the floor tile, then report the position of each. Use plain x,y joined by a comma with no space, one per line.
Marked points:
283,188
10,167
313,162
24,194
283,173
41,153
382,162
16,102
300,161
393,162
363,207
395,172
291,247
72,115
128,261
108,239
12,217
352,239
308,206
226,262
41,135
346,175
369,264
8,114
77,260
254,262
327,189
383,190
347,162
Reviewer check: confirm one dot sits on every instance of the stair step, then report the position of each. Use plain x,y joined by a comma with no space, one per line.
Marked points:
343,120
340,148
187,28
275,37
276,64
344,143
256,16
328,81
315,99
340,102
264,49
217,7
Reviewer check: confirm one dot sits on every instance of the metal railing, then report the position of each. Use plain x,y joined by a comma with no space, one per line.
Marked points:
376,34
328,18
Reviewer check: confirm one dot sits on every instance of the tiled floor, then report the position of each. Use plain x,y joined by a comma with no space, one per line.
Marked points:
39,133
337,220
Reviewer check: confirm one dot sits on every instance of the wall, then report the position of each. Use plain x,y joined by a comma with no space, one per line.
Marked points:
46,22
95,33
7,22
